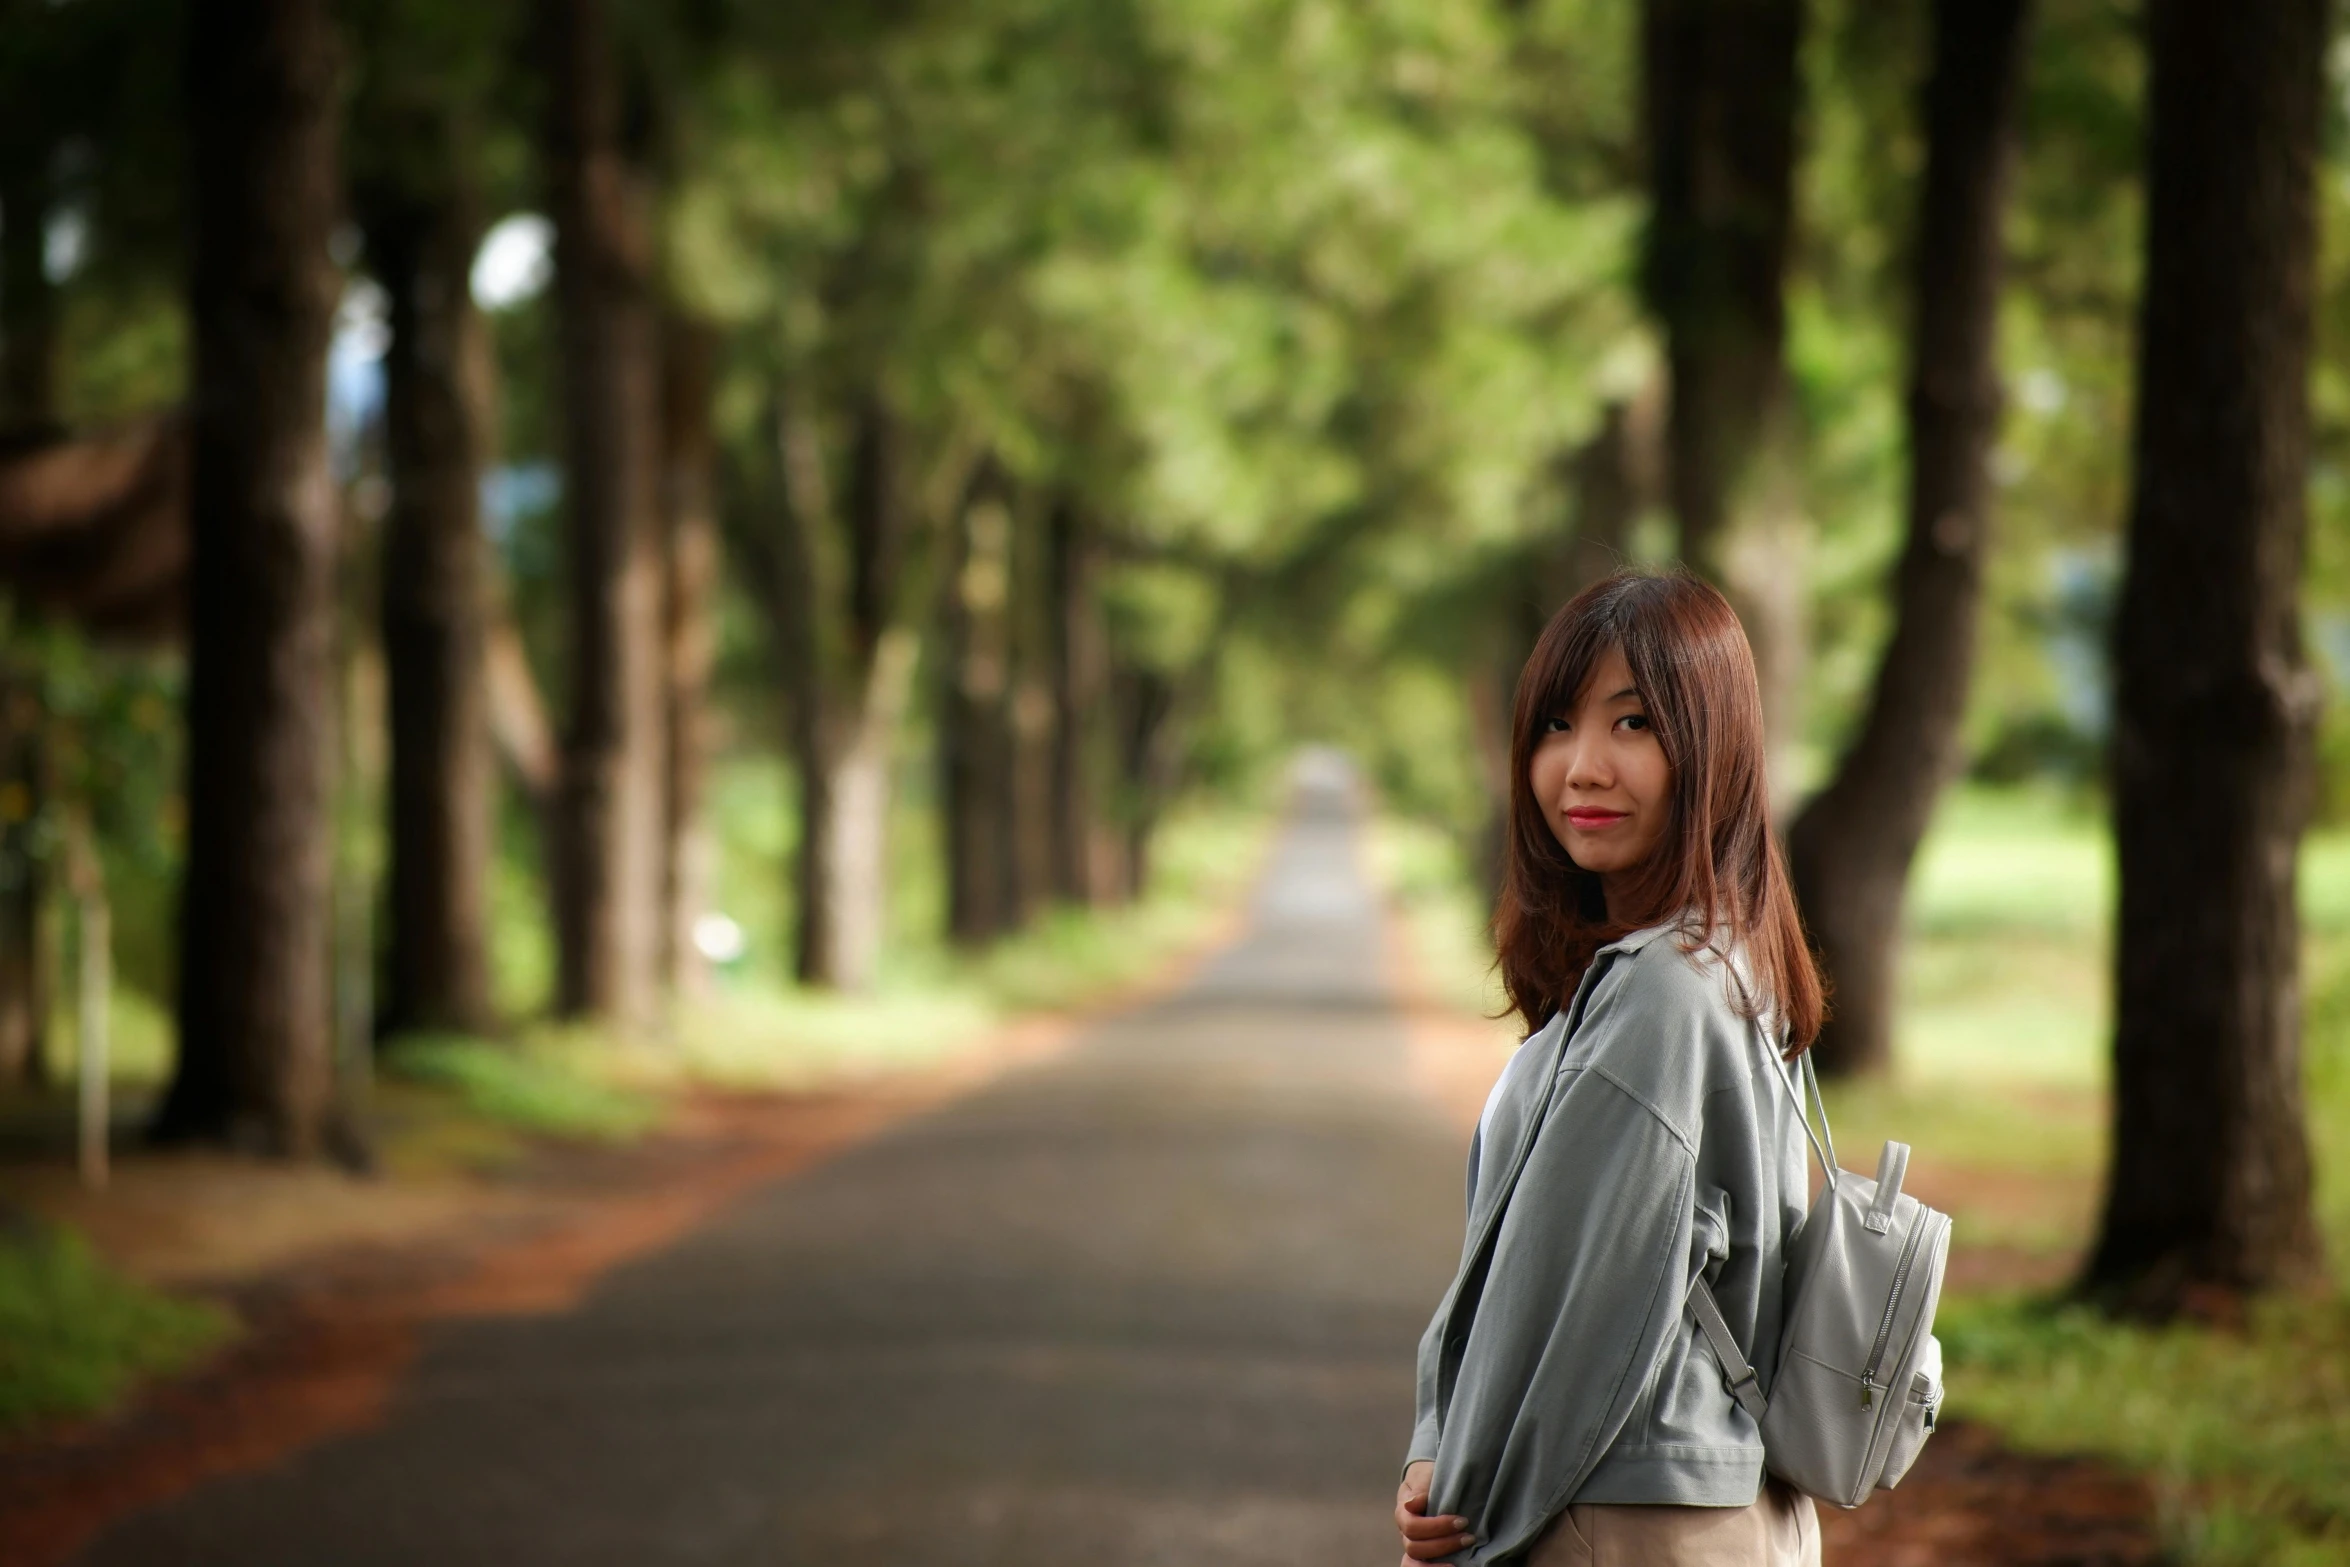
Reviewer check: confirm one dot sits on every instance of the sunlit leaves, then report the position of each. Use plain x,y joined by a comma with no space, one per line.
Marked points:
1229,267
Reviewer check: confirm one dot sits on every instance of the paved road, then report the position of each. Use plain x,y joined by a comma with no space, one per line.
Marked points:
1152,1302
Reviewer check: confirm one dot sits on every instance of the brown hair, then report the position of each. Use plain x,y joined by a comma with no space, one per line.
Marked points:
1717,864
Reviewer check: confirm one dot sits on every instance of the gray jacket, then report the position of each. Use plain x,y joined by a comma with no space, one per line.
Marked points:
1648,1136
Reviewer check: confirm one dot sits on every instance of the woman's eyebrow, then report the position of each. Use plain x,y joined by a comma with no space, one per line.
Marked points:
1627,691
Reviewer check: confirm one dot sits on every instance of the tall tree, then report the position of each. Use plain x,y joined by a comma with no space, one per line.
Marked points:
1030,832
1080,680
974,726
1851,848
840,572
609,824
689,637
852,619
1720,90
28,298
1143,706
253,978
1719,97
416,196
2209,1183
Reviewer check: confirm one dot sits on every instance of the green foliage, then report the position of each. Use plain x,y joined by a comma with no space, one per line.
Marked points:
110,752
2242,1432
122,349
140,1035
75,1335
759,1031
89,98
1201,860
551,1086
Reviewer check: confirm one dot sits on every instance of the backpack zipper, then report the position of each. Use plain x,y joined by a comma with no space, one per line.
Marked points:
1909,1252
1881,1430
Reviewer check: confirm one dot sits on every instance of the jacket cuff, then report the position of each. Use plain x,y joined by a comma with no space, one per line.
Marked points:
1426,1438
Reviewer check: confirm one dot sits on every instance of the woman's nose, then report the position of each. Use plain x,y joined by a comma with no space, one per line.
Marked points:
1587,766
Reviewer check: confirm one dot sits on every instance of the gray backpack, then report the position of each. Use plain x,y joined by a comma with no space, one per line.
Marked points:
1859,1384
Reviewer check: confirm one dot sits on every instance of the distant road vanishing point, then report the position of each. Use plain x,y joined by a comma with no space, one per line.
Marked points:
1151,1302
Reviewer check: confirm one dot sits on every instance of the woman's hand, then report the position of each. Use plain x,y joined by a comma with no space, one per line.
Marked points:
1426,1539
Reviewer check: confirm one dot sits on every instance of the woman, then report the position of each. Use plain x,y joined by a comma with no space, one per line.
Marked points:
1570,1410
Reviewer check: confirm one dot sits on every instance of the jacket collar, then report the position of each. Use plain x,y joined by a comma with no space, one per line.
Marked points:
1633,940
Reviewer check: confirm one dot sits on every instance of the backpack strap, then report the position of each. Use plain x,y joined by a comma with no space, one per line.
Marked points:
1737,1375
1823,1142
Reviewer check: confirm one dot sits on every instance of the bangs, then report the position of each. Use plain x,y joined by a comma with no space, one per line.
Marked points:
1554,692
1561,666
1565,659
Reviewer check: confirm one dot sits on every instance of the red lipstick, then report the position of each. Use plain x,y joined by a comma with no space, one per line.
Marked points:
1587,818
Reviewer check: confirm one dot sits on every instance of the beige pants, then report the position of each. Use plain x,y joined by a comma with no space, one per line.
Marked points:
1779,1530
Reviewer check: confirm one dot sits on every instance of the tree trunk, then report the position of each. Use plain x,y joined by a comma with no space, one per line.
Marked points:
28,401
1075,639
1851,848
2209,1185
844,605
436,390
253,978
1146,765
1028,828
852,853
975,738
1720,90
689,642
1604,479
28,300
607,859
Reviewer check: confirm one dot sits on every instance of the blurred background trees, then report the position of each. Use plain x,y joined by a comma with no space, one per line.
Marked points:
597,508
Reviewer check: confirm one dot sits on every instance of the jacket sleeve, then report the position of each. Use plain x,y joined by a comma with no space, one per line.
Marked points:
1425,1430
1425,1423
1581,1297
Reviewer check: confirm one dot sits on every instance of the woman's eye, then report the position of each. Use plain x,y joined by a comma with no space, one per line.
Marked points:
1554,726
1634,720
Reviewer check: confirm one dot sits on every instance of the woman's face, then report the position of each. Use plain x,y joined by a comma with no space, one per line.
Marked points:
1601,775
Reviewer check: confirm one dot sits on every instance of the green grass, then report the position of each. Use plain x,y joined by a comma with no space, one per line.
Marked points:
139,1037
548,1084
758,1031
75,1336
2004,964
2245,1434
